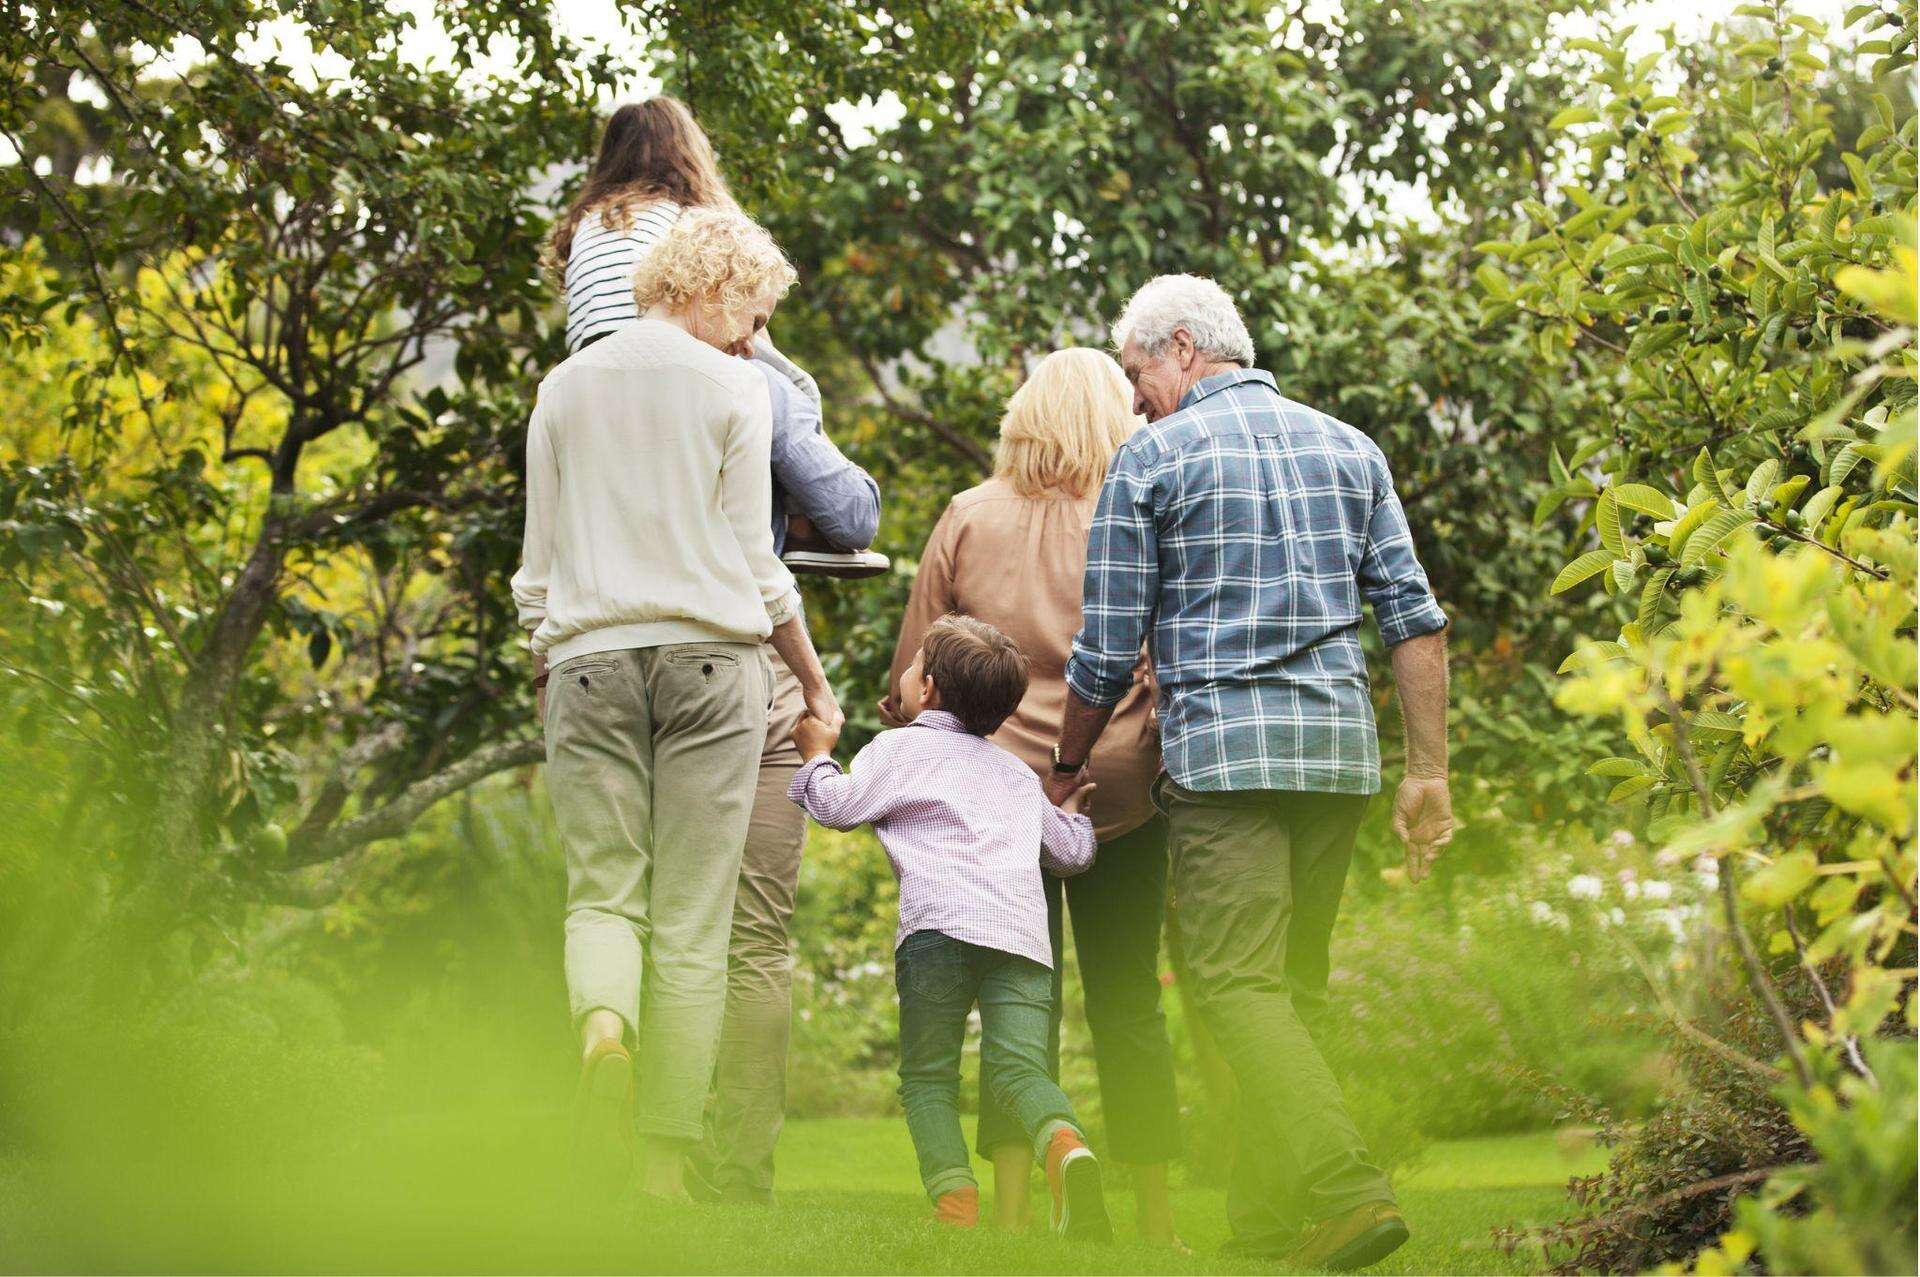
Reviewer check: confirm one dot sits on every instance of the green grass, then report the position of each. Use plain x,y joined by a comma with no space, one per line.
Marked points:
443,1195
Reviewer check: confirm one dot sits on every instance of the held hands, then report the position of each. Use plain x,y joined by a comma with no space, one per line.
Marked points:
1076,802
813,738
1064,787
1423,818
891,715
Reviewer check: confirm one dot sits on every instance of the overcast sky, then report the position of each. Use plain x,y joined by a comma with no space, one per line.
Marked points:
598,22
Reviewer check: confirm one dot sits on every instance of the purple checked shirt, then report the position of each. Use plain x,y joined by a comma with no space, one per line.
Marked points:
966,827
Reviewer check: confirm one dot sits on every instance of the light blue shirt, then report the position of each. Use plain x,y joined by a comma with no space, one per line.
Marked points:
811,477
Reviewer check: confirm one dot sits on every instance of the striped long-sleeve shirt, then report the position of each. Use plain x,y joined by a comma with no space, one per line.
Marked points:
601,265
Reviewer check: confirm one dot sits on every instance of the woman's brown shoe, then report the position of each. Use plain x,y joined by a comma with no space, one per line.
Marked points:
603,1120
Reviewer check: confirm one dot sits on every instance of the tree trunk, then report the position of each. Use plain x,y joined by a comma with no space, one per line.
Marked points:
195,733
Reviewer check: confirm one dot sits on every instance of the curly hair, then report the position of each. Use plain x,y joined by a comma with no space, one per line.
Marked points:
713,255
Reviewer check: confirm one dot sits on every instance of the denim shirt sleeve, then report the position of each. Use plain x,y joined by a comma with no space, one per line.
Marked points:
1122,584
812,476
1390,575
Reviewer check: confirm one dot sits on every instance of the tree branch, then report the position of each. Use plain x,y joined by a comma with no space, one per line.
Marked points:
397,816
1757,975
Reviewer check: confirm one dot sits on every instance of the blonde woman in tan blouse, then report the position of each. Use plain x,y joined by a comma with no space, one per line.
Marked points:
1012,552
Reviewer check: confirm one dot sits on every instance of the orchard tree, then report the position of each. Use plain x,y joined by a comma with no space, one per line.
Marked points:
255,578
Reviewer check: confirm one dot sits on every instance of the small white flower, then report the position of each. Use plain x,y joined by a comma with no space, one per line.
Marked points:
1540,911
1630,888
1655,889
1585,887
1617,916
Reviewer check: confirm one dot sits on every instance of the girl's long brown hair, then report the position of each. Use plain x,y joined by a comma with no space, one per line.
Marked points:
651,150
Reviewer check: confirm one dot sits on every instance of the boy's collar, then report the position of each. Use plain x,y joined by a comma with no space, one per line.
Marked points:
938,719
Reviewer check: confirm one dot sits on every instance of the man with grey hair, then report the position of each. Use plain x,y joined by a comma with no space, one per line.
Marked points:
1239,534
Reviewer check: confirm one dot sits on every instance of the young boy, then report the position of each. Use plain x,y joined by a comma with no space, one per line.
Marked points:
967,829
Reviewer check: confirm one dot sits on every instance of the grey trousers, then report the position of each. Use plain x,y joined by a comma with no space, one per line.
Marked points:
750,1080
651,755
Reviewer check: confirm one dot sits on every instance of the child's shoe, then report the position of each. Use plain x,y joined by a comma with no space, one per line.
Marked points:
810,554
958,1208
1079,1207
829,560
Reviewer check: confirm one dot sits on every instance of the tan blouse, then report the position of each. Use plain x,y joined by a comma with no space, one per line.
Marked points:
1016,563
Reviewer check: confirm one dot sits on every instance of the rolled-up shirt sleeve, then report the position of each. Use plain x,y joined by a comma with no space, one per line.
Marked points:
1121,587
1390,574
747,500
536,546
839,497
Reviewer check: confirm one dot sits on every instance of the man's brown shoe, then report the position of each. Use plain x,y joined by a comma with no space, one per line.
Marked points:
603,1120
1360,1238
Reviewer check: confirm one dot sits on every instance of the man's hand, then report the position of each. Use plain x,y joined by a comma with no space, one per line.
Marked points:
1423,818
1062,786
1076,803
813,737
822,705
891,714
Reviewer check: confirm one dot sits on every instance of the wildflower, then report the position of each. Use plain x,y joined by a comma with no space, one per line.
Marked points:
1585,887
1655,889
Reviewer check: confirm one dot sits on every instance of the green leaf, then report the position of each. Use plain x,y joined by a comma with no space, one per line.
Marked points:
1761,479
1683,528
1777,884
1629,787
1618,767
1638,496
1636,255
1606,518
1586,567
1707,538
1571,116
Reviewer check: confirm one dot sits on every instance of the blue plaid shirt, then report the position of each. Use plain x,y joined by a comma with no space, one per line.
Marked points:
1243,532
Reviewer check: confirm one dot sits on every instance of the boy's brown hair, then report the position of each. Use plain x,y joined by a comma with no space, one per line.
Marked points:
981,673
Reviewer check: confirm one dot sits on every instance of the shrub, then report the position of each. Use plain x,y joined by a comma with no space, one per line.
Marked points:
1743,280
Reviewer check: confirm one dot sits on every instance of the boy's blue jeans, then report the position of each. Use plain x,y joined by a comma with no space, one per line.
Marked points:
940,979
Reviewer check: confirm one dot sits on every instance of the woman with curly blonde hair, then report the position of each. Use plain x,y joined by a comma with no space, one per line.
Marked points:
650,585
1012,552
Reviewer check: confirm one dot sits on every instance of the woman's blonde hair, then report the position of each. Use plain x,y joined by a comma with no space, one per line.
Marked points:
1064,424
651,150
713,255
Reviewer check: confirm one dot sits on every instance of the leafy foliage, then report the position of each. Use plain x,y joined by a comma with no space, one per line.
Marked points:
1750,488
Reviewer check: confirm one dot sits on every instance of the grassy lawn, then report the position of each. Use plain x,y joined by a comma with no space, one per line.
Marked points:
459,1197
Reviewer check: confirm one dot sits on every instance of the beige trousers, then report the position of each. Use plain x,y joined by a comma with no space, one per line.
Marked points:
750,1080
651,757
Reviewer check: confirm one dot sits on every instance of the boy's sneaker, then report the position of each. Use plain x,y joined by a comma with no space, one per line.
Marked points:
958,1208
826,560
603,1120
1360,1238
1079,1207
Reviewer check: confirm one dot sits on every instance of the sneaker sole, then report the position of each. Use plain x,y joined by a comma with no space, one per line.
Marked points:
1083,1207
603,1126
1370,1247
835,565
